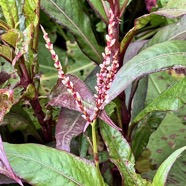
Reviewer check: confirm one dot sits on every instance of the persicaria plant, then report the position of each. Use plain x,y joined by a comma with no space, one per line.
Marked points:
85,92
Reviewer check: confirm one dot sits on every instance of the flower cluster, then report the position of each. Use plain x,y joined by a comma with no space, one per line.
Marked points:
65,79
107,73
109,66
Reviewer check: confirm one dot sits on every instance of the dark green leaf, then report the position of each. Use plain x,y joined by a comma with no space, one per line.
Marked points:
121,155
143,131
70,14
172,99
98,7
156,58
163,170
40,165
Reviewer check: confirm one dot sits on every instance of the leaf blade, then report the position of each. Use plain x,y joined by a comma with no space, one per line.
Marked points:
163,170
77,22
64,168
151,60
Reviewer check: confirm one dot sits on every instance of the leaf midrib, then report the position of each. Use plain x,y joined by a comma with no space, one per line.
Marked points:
76,28
49,167
114,146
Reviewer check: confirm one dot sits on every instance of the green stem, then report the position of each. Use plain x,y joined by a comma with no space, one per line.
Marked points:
94,142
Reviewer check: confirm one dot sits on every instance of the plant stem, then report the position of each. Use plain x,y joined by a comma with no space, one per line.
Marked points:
94,142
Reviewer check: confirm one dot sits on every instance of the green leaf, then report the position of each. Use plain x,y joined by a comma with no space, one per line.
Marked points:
174,10
10,12
172,99
143,131
169,136
70,14
10,37
121,155
98,7
175,31
162,173
155,58
40,165
6,52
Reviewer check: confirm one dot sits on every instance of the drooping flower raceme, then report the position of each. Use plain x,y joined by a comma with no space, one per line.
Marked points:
65,79
105,77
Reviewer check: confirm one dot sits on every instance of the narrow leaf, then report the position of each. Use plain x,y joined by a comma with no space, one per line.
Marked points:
5,167
98,7
4,25
171,11
70,14
64,168
163,170
172,99
175,31
10,12
156,58
121,155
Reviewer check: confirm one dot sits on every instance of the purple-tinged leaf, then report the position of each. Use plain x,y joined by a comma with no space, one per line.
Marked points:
5,167
6,102
70,124
4,76
61,97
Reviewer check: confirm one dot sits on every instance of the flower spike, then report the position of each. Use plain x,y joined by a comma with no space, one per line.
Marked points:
65,79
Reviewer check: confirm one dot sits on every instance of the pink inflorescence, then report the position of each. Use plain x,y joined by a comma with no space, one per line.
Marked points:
107,73
109,66
65,79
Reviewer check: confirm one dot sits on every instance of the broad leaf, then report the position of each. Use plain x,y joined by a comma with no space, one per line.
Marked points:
10,12
172,99
121,155
10,37
169,137
70,124
64,168
5,167
73,18
98,7
163,170
155,58
6,52
61,97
